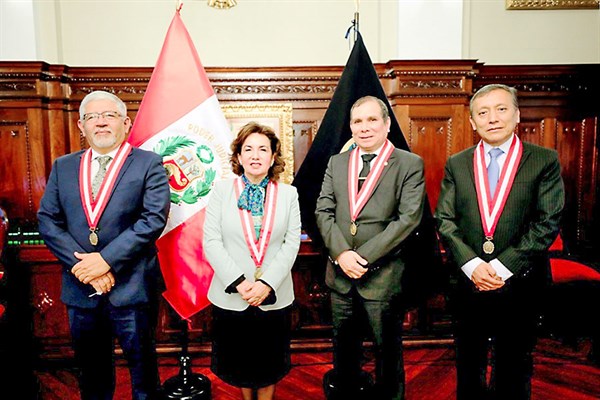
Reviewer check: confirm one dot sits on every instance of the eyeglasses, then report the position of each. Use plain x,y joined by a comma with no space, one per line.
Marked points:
108,115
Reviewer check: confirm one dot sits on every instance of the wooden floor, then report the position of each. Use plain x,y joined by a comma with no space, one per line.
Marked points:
561,372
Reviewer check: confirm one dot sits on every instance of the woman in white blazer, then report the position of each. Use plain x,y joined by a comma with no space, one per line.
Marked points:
251,239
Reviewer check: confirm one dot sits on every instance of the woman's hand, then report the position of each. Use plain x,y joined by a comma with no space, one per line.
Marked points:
257,293
244,287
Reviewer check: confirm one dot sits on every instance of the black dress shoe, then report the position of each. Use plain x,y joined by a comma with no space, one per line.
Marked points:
335,389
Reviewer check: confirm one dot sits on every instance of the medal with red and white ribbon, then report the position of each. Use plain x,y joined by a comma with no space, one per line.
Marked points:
359,199
258,246
490,208
93,208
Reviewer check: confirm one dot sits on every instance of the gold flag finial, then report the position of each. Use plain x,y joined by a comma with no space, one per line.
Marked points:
222,4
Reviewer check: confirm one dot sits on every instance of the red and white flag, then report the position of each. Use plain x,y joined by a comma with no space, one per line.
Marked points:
180,119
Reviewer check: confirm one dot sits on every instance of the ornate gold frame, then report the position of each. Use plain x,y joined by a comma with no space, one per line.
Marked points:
277,116
552,4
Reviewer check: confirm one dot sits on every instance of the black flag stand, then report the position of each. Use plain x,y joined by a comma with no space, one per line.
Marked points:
186,385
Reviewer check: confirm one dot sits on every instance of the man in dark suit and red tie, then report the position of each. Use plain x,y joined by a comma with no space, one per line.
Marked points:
364,218
101,213
498,213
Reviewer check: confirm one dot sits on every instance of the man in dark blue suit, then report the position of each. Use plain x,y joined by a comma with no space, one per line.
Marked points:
101,216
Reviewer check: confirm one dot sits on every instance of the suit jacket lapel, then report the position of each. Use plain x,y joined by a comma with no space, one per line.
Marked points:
469,165
524,156
344,175
122,172
386,168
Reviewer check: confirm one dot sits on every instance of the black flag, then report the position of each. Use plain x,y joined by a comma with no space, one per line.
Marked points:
358,79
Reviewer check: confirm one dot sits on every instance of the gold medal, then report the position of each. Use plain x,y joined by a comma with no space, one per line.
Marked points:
257,273
488,246
353,228
93,238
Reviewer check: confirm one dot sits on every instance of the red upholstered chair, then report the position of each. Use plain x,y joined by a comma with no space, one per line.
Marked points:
571,308
565,269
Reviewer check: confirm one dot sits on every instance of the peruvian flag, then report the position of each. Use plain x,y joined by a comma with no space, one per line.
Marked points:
180,119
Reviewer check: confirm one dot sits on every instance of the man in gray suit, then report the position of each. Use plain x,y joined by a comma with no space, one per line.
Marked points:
371,200
498,212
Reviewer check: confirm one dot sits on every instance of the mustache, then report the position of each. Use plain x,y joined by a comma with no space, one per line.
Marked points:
102,131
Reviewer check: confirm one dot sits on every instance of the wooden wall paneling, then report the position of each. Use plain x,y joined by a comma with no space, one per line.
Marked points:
534,131
431,80
19,83
312,311
577,148
53,90
274,84
54,133
432,131
75,139
50,333
18,93
429,98
37,166
16,196
307,118
50,321
23,169
129,83
304,134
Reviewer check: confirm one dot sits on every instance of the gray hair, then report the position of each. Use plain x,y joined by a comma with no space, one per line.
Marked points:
102,95
489,88
385,114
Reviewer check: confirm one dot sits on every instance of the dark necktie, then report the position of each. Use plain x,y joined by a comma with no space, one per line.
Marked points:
367,158
99,177
494,169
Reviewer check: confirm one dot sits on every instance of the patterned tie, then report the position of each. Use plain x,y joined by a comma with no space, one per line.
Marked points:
367,158
103,161
494,169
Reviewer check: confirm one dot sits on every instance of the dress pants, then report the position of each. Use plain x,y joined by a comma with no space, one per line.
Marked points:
93,333
384,321
500,325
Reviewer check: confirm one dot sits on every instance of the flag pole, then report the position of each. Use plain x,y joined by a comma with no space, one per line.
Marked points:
354,26
186,385
355,22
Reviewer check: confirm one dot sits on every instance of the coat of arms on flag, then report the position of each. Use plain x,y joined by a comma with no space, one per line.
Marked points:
189,178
